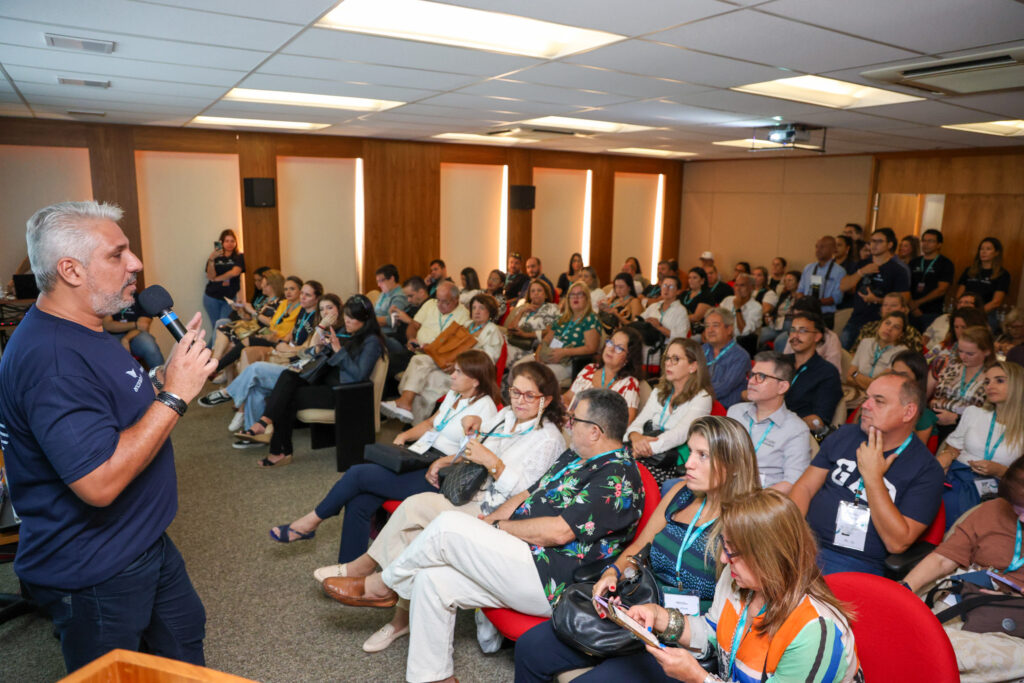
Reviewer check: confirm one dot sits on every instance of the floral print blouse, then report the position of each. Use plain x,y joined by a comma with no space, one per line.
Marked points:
571,333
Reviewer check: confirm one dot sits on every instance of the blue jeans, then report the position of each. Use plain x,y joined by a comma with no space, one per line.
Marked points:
216,309
832,562
144,347
849,334
252,387
361,491
151,600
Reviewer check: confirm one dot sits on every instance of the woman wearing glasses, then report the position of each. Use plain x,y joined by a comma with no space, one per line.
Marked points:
517,446
682,533
773,617
683,395
575,333
667,316
618,369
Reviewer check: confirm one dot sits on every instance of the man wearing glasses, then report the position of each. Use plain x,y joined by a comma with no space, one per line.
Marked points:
728,362
516,279
816,388
782,441
872,280
748,311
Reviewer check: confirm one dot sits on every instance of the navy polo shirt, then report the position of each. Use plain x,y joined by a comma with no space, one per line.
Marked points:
815,389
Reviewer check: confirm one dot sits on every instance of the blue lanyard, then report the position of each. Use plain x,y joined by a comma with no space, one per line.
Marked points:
712,361
662,420
495,435
603,385
441,322
902,447
929,268
576,466
797,375
736,643
963,376
301,325
693,532
1018,560
991,452
763,436
877,353
477,328
285,312
448,417
563,330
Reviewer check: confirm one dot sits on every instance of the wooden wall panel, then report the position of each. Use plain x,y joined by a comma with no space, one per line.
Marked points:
673,212
257,158
899,212
112,168
997,173
602,206
969,218
520,221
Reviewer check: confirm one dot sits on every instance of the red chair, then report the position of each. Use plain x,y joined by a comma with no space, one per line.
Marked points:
513,624
718,409
933,443
898,565
499,367
937,529
853,417
897,637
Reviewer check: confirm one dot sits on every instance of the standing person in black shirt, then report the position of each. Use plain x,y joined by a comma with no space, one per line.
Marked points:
717,289
987,277
224,270
871,281
931,275
846,256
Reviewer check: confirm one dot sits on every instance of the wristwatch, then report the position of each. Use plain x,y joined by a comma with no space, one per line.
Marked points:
153,378
172,401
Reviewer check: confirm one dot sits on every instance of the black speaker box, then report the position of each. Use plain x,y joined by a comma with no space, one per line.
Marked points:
522,196
259,192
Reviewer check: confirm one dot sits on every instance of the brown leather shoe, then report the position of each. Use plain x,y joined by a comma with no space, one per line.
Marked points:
350,590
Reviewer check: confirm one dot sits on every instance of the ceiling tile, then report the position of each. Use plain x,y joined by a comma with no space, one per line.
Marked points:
324,87
763,38
659,113
299,12
1003,104
280,112
542,93
35,92
27,74
13,107
39,102
745,104
592,78
927,111
336,70
958,137
529,109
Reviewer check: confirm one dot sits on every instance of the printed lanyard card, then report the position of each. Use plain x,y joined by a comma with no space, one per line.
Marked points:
686,603
852,525
424,443
986,486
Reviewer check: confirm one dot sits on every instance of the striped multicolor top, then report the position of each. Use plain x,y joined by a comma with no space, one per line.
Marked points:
814,645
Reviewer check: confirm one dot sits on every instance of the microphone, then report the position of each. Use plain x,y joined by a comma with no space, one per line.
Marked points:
156,302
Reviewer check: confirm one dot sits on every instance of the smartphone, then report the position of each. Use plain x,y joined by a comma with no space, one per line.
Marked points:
218,244
620,617
1002,579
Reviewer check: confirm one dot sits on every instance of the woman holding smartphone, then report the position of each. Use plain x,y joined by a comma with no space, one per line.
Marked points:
224,268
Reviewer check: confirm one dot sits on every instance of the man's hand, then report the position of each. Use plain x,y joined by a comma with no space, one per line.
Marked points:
869,269
946,417
190,364
870,459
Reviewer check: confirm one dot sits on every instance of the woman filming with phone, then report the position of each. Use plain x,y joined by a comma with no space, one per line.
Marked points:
224,268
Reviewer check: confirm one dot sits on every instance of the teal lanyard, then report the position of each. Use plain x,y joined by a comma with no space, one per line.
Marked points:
448,417
285,312
797,375
763,436
902,447
712,361
991,452
737,638
963,376
441,322
476,328
603,385
577,466
693,532
564,330
301,325
494,435
877,355
661,315
1018,560
689,297
662,420
929,268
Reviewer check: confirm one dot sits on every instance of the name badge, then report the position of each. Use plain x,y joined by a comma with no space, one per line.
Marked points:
424,443
684,602
556,343
920,287
816,280
986,486
852,525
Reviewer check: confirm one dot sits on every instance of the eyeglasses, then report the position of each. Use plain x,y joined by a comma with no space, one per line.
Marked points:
760,377
802,330
573,420
673,360
612,345
729,556
527,396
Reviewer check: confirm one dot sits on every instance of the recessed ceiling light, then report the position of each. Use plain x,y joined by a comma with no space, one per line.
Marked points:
83,44
589,125
303,99
749,143
826,92
86,112
476,137
434,22
645,151
257,123
82,81
1005,128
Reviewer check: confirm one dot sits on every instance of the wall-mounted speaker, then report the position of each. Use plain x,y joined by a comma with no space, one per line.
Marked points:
522,196
259,192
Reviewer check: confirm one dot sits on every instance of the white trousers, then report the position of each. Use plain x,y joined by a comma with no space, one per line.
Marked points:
412,516
459,561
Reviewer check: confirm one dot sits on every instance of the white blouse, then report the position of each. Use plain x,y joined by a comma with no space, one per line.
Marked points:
864,358
676,420
971,433
448,419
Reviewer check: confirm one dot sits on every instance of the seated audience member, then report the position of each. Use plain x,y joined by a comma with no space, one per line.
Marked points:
960,384
246,310
470,286
301,335
1016,355
697,300
435,315
352,360
765,295
438,274
816,388
277,328
984,442
529,319
132,329
391,294
516,279
727,362
424,383
935,335
717,289
908,249
853,231
632,268
1013,331
416,295
847,257
949,349
912,365
620,366
830,349
533,272
777,323
741,267
683,395
987,276
874,357
365,486
782,441
666,316
821,278
665,268
682,537
522,555
622,306
873,488
778,272
746,310
223,271
799,631
931,276
576,333
571,274
516,446
892,303
496,288
253,315
984,539
873,279
589,277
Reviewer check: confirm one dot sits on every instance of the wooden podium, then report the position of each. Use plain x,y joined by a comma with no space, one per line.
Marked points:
122,666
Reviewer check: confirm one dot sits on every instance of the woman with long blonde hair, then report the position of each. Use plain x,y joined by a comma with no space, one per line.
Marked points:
576,332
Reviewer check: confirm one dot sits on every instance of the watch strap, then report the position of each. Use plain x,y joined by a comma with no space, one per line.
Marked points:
172,401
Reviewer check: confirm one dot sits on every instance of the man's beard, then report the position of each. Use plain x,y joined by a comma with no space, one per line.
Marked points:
109,303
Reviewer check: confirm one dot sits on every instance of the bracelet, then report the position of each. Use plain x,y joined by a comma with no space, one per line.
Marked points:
173,402
496,524
153,378
618,573
674,629
712,678
907,586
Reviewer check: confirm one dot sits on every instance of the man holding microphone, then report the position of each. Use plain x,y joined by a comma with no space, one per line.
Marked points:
86,440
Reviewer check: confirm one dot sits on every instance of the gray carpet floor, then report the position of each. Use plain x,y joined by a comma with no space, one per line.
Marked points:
266,617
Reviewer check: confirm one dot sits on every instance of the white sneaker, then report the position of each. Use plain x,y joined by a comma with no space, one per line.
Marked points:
391,409
388,408
221,378
329,571
237,422
382,639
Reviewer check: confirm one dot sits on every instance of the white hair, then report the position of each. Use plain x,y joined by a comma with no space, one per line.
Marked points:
60,231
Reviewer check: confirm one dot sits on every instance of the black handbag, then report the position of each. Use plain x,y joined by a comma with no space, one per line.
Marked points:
648,332
981,612
399,459
315,368
462,480
576,622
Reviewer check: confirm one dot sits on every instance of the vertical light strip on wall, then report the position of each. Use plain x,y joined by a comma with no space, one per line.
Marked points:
659,214
360,224
503,222
585,240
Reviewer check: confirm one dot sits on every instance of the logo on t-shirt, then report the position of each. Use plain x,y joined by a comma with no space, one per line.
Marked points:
842,476
138,381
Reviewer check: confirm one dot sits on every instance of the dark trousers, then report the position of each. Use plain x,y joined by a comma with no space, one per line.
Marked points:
360,492
150,601
235,351
832,562
541,656
291,394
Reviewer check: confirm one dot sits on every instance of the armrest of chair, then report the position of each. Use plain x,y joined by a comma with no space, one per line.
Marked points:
353,422
900,564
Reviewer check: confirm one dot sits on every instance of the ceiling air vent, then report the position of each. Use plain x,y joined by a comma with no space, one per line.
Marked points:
985,72
84,44
536,133
86,112
81,81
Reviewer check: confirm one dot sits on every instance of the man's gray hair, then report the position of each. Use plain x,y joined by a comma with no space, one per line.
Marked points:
59,231
744,277
724,314
609,410
450,287
781,366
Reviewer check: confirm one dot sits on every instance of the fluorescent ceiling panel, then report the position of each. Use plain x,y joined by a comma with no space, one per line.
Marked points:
826,92
257,123
586,125
303,99
648,152
1004,128
749,143
433,22
474,137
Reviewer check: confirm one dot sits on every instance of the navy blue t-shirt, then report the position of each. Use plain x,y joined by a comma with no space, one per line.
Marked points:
914,483
66,394
892,276
227,288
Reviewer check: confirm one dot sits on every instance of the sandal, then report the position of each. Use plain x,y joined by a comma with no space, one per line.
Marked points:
285,531
259,437
267,462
